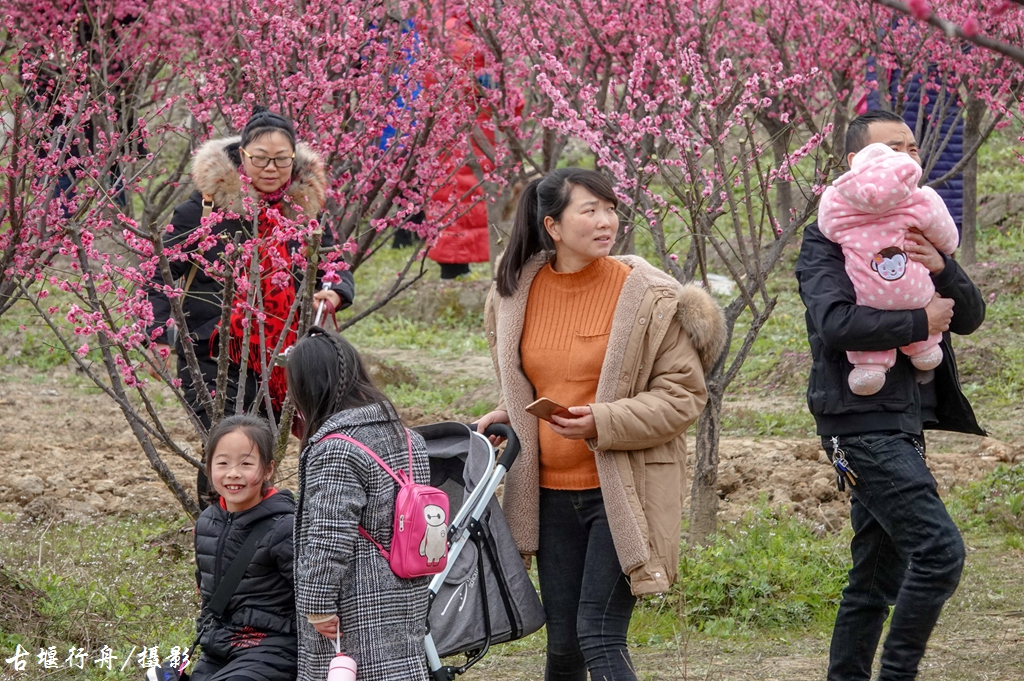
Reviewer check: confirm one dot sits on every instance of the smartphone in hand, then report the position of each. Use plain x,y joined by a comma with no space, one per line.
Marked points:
545,408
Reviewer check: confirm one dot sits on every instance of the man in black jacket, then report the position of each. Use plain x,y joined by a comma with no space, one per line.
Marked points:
907,552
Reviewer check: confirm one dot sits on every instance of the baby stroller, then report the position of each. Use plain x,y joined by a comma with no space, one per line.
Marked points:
484,595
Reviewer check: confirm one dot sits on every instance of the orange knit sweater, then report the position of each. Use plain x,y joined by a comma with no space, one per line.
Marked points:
565,336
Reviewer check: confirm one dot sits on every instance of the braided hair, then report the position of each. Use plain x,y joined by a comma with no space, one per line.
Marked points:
325,376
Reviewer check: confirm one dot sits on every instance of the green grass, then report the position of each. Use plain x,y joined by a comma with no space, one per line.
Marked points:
444,339
437,398
766,571
128,582
993,505
117,582
1000,171
744,421
29,342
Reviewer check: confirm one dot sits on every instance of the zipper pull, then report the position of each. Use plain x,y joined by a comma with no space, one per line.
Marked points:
401,523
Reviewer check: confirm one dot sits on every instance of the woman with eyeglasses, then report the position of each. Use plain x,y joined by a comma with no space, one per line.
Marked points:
261,182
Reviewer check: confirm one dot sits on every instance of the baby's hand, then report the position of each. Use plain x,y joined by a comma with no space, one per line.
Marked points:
919,249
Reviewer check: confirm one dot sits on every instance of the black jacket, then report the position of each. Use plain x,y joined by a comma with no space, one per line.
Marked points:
215,172
259,621
836,324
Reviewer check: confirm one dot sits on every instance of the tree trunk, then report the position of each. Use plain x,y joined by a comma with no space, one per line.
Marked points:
704,491
500,215
840,122
969,228
625,242
783,189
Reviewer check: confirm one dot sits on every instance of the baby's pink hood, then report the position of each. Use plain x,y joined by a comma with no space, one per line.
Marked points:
879,179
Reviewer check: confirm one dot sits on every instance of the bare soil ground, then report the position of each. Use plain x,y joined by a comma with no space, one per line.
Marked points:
65,448
66,451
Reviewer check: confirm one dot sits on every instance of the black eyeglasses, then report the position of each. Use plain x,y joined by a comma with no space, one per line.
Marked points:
264,161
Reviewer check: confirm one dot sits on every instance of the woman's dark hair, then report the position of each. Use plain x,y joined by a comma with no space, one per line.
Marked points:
264,122
857,132
325,376
547,196
256,429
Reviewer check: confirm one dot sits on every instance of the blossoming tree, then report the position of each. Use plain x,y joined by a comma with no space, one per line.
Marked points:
683,113
106,101
720,123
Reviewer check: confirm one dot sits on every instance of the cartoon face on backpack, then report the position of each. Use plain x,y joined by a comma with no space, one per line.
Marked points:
890,263
434,544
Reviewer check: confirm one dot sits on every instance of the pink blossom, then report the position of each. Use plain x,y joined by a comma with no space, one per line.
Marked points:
921,9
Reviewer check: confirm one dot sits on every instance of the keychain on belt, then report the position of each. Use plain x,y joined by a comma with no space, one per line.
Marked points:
843,471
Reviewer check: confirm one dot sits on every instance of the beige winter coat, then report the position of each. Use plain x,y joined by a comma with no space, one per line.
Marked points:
664,337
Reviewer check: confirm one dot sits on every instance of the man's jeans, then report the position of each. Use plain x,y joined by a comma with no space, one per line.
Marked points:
907,552
586,596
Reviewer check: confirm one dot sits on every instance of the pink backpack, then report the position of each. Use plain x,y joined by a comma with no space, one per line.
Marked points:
419,543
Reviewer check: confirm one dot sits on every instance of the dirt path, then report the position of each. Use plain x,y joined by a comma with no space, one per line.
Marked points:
66,448
980,637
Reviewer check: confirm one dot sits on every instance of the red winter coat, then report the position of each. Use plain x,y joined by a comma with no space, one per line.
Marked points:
466,240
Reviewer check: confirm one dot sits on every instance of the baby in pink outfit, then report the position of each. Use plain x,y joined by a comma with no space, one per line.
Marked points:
869,211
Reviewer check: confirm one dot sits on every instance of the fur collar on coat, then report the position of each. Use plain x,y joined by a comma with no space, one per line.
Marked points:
216,174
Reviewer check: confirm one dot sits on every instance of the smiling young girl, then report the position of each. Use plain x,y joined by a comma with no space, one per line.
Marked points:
596,496
255,639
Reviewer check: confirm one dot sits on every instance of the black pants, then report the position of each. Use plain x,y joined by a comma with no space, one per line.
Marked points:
454,270
275,658
586,596
907,552
208,367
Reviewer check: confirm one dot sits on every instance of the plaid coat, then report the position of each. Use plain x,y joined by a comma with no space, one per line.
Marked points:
383,618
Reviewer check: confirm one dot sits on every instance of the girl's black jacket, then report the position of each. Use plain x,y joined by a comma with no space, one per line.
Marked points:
257,634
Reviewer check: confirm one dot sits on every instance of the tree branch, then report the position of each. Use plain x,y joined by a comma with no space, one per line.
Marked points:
954,31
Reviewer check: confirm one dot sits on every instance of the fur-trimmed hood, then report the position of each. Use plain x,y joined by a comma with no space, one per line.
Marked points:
215,173
698,313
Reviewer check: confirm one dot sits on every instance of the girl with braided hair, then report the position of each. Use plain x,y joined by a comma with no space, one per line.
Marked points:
341,580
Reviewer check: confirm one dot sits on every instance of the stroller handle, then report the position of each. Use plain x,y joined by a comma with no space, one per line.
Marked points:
504,430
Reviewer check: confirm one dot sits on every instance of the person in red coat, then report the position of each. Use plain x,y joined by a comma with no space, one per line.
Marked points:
466,240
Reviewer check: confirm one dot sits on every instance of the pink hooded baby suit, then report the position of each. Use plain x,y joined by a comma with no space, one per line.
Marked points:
869,212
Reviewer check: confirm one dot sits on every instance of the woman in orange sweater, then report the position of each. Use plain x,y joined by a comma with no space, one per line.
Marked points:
597,493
